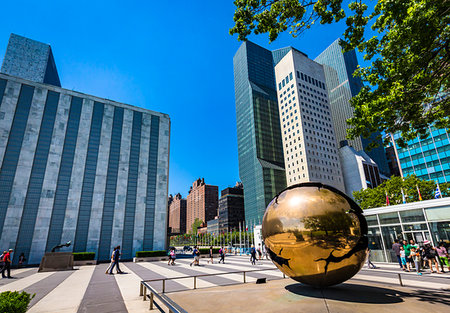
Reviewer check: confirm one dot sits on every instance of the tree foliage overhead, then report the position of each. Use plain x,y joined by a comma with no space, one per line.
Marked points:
376,197
408,79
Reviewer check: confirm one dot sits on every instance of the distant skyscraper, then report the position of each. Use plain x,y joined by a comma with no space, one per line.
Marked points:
177,214
359,170
201,202
342,86
309,142
231,208
76,167
261,166
427,158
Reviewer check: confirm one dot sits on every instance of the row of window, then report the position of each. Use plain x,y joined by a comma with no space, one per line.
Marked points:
285,81
311,80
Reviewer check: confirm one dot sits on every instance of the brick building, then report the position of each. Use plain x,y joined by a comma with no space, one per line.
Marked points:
177,214
231,208
202,202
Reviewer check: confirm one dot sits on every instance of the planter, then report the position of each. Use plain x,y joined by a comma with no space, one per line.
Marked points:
151,259
84,262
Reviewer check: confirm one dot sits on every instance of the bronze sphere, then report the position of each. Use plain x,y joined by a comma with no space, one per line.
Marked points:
315,234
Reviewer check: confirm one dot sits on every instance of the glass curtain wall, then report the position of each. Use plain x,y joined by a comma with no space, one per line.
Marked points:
431,224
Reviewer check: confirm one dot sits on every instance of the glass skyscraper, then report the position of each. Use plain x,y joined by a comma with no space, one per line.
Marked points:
76,167
261,161
342,86
428,158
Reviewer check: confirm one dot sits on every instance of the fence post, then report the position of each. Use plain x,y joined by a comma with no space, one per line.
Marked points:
145,294
400,280
244,277
164,286
151,300
195,282
141,291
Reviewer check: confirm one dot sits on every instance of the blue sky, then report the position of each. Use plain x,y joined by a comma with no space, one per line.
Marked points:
174,57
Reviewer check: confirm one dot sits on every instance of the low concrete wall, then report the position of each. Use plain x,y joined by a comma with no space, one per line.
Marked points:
84,262
166,258
151,259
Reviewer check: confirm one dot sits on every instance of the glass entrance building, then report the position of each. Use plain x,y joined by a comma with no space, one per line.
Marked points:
422,220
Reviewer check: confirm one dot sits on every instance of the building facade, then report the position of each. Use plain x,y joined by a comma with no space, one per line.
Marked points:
359,170
422,220
261,166
231,209
342,86
309,142
202,202
212,226
177,214
428,158
79,168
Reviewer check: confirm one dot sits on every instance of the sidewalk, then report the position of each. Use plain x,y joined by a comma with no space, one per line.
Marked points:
289,296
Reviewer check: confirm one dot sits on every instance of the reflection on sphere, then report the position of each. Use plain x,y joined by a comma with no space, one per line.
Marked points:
315,234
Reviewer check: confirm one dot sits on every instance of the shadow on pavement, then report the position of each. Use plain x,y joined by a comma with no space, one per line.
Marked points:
369,294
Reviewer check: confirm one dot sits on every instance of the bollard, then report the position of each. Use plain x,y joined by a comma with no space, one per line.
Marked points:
151,300
195,282
244,277
284,276
400,280
145,294
141,291
164,286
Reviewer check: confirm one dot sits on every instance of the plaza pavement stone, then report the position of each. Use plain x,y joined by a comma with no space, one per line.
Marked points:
88,289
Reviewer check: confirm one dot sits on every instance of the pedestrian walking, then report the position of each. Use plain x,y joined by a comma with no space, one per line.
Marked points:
116,257
396,248
430,255
112,261
196,253
415,256
7,264
172,256
222,255
443,256
370,265
211,255
253,255
259,251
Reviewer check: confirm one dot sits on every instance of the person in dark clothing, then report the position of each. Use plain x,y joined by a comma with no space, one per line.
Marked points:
253,255
222,255
396,248
22,259
7,264
116,257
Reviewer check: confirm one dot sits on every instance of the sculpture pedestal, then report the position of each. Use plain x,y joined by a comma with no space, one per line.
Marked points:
56,261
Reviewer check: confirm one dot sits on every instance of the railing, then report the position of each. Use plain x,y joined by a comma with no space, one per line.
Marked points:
172,306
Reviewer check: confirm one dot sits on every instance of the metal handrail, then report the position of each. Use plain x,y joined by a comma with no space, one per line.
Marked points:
172,306
215,274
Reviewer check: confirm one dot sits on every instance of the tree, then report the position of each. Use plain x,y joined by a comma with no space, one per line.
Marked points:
196,225
376,197
407,82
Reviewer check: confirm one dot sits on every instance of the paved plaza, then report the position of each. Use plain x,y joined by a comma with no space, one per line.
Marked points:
88,289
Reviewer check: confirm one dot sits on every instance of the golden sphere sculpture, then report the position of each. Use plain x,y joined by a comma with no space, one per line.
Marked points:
315,234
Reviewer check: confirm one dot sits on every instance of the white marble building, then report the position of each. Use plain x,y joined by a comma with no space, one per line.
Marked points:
75,167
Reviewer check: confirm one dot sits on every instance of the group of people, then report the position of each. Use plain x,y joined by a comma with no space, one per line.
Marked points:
411,255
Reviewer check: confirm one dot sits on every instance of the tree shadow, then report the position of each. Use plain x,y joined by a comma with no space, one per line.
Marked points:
357,293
